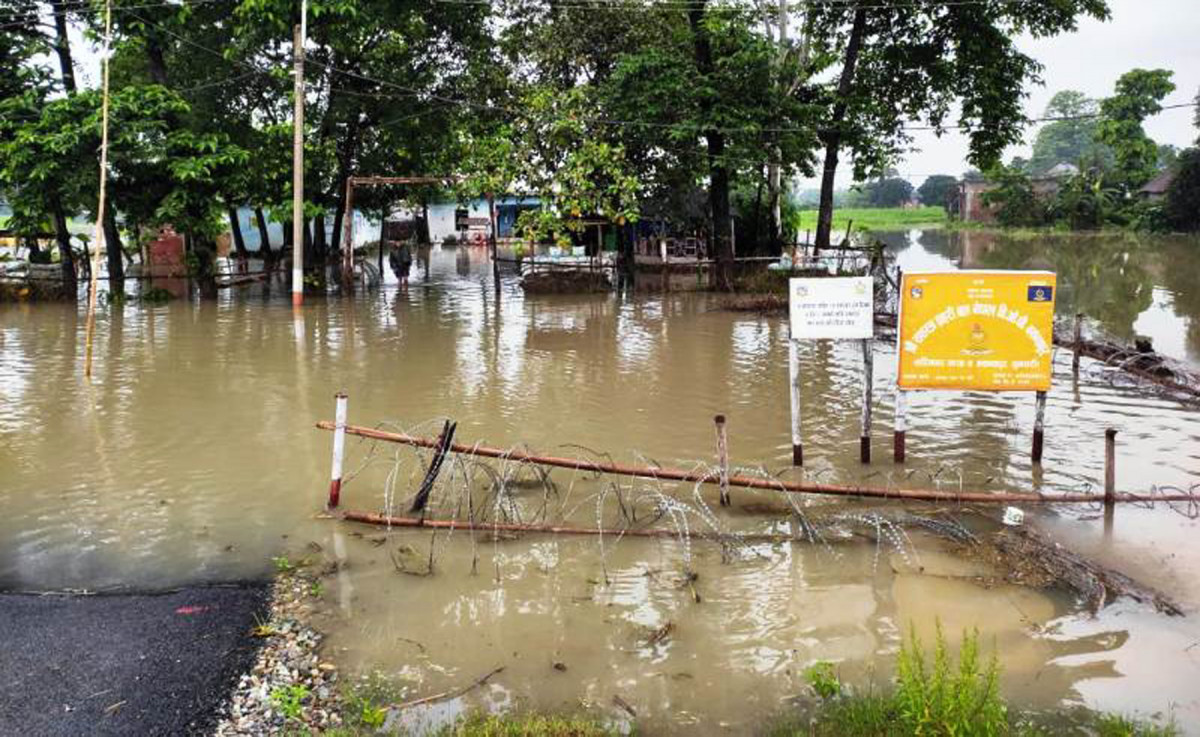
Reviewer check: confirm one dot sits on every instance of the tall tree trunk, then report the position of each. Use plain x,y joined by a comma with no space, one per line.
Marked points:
66,257
113,252
156,63
832,136
345,163
423,226
235,228
307,235
62,47
205,252
320,243
718,191
775,168
264,238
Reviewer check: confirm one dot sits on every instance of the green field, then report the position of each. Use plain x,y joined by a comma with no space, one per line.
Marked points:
874,218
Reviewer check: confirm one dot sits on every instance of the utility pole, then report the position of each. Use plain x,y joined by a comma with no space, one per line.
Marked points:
298,225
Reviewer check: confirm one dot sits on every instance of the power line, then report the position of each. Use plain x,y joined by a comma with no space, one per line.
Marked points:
86,6
410,92
608,5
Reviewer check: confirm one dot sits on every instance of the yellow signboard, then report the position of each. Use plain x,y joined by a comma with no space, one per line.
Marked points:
986,330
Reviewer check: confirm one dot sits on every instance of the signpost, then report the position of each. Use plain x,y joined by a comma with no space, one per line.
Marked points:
975,331
830,308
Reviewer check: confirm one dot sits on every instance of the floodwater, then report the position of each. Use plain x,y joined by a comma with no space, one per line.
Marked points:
192,456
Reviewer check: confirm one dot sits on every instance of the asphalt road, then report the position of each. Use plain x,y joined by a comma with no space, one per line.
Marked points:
124,664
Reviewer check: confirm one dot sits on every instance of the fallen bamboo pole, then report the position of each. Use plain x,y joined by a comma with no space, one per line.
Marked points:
751,482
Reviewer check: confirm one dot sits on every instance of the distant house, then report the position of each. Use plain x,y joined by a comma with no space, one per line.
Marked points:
1156,189
972,209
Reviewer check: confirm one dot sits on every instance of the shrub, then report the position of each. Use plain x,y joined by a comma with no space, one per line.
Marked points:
937,698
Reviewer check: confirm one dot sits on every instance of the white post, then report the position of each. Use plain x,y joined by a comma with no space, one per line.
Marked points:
898,437
864,441
339,450
794,375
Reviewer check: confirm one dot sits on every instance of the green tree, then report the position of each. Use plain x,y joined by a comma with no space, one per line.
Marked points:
1084,201
1138,95
1013,198
903,60
888,192
1072,138
937,190
1183,198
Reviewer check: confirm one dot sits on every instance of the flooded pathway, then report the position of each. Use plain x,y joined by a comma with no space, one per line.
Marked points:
193,458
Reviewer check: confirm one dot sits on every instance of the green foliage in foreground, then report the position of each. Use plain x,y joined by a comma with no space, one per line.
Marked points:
939,697
871,218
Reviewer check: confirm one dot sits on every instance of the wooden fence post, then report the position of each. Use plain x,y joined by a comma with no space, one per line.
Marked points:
723,458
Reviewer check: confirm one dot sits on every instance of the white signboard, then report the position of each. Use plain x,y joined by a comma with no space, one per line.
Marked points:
834,307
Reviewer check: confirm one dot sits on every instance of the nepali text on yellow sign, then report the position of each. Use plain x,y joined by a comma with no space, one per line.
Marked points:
987,330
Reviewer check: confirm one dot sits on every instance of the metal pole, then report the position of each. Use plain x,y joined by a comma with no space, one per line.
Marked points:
898,437
794,376
1110,474
298,225
339,449
706,476
1078,344
864,440
723,458
1039,424
348,239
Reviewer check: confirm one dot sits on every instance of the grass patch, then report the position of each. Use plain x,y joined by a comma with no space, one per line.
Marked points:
528,725
873,218
936,696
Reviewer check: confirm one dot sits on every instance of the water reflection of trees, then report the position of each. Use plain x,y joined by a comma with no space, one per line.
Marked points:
1181,267
1108,278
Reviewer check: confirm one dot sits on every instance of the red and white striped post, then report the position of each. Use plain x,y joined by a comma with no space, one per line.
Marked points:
339,450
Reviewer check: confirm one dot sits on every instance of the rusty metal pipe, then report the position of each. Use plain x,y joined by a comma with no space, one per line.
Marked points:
751,482
449,524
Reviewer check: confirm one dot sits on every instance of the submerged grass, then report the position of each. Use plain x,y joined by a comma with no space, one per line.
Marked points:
528,725
874,218
937,696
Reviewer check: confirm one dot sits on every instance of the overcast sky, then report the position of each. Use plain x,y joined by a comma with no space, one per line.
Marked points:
1150,34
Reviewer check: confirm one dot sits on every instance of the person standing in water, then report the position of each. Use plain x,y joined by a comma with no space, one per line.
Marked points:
401,260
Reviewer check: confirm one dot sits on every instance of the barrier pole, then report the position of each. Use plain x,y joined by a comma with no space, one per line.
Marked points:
794,376
1039,426
864,441
1110,476
723,458
339,450
1077,346
899,435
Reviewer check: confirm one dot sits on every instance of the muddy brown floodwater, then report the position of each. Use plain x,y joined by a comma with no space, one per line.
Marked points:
192,457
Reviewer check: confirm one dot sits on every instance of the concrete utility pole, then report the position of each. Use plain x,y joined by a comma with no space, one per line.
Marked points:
298,226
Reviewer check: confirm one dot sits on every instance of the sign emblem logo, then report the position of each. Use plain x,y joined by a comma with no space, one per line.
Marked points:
1040,294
